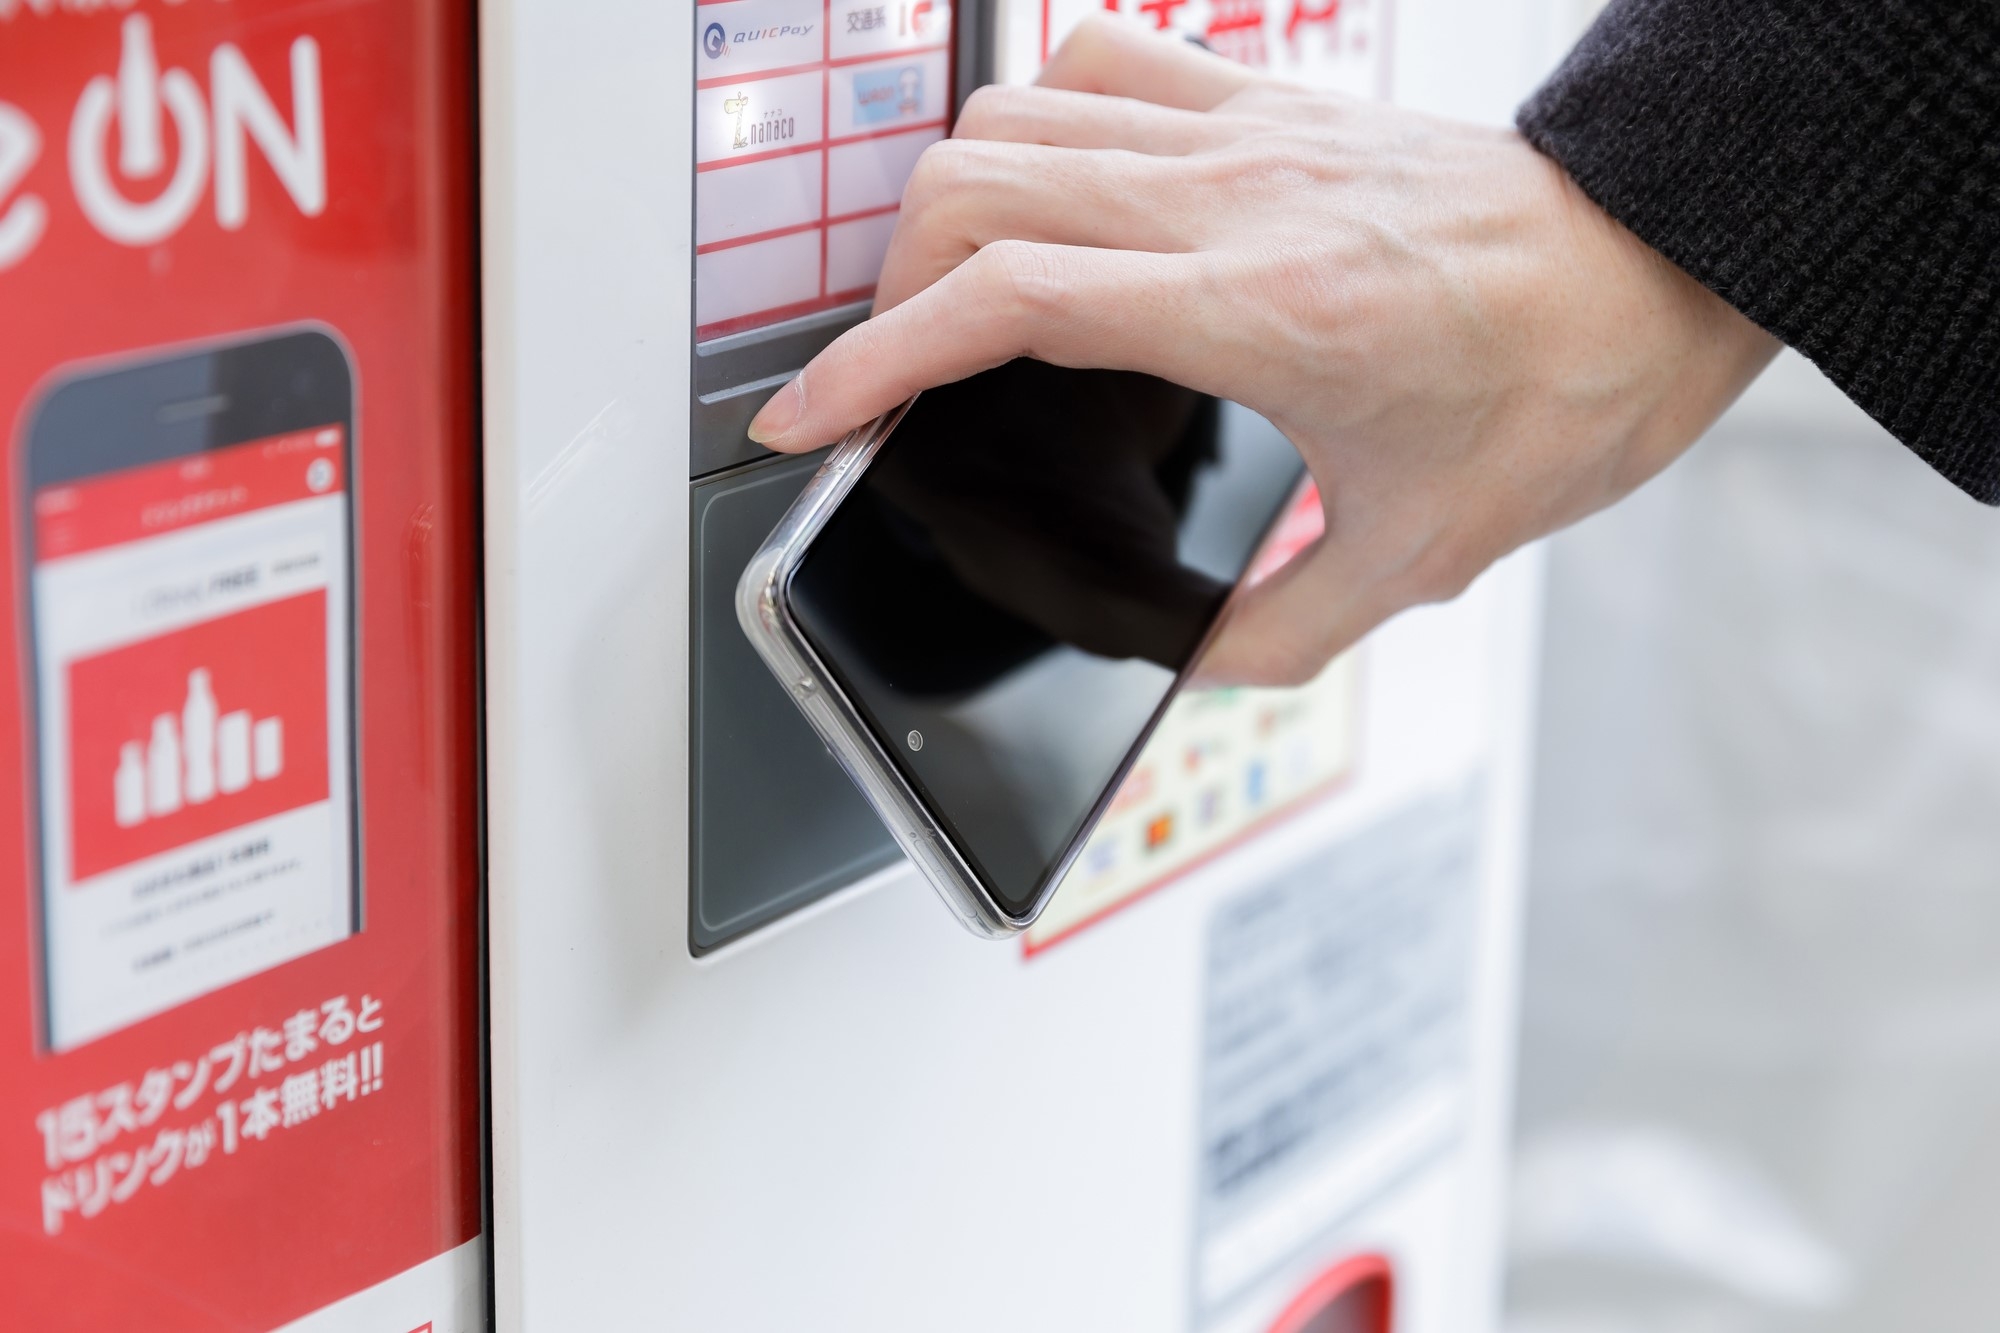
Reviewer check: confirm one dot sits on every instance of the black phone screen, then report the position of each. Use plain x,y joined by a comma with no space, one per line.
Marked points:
189,530
1013,588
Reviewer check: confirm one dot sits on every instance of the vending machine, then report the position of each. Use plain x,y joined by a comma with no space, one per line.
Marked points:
239,990
1250,1072
374,376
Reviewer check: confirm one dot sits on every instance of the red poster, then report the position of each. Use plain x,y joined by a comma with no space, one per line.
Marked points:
238,785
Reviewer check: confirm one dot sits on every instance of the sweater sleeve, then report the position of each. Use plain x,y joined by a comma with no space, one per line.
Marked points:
1831,168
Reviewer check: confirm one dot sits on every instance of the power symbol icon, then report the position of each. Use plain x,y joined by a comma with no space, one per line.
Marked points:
242,112
137,96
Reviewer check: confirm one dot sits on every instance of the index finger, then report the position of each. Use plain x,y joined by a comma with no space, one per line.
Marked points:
1067,305
1124,58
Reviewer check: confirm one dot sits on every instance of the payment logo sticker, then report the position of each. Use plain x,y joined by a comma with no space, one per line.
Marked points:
887,95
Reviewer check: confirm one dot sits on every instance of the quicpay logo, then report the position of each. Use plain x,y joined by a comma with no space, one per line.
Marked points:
715,42
775,33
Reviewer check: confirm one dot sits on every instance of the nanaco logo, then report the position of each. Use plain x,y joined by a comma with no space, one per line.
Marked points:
768,128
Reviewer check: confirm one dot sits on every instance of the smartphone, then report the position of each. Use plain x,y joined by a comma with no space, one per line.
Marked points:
188,520
984,601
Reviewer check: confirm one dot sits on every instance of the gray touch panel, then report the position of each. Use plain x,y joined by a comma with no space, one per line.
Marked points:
734,376
773,823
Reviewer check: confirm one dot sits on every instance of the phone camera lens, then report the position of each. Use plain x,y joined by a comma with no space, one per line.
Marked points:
916,740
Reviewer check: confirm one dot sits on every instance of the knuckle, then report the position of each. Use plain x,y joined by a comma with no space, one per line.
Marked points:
1264,166
989,106
942,168
1026,278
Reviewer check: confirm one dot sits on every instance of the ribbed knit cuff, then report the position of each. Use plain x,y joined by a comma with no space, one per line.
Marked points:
1830,169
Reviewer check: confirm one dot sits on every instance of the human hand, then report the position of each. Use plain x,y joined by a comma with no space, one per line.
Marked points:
1466,351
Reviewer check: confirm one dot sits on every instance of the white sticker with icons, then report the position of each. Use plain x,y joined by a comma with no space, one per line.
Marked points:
809,117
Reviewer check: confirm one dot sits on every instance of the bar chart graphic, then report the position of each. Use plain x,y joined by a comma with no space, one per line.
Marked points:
208,728
194,757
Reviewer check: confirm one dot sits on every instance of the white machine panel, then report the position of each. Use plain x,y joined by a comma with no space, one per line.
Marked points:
857,1115
809,115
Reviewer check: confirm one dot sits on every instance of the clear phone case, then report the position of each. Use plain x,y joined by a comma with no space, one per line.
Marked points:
763,609
765,614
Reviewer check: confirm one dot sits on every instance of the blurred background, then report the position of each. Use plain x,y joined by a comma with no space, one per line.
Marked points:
1760,1041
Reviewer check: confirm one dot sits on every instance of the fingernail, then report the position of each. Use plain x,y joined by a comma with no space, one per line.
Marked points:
780,414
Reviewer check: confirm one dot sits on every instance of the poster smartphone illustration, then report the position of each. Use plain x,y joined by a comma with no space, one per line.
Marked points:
190,537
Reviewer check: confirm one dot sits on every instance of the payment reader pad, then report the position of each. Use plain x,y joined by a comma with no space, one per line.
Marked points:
808,119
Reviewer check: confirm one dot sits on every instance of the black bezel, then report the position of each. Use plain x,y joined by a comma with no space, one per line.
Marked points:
1019,912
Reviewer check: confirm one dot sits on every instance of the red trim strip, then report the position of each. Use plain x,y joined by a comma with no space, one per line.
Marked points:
861,213
758,76
776,233
769,155
851,295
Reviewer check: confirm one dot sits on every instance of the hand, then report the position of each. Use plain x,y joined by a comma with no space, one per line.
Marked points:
1466,351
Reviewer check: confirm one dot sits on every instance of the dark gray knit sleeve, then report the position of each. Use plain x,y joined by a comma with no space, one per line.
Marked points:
1831,168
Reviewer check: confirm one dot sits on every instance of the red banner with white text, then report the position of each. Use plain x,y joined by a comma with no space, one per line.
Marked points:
239,1073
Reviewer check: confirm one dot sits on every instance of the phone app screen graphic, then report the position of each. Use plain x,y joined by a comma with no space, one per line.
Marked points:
192,672
183,736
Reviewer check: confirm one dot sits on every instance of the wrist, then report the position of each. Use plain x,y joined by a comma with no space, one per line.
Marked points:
1665,356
